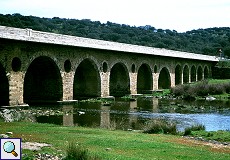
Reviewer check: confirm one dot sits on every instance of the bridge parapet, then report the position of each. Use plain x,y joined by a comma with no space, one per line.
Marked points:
52,38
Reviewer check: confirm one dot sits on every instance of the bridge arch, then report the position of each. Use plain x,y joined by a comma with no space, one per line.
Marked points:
206,72
193,73
178,75
185,74
43,81
164,81
87,83
4,87
199,73
119,83
144,79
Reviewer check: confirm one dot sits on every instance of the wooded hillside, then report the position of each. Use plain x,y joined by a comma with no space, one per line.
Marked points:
202,41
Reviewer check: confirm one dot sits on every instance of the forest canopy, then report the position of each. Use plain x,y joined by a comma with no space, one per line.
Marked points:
202,41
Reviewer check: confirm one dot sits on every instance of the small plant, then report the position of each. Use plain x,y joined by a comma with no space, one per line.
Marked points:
202,89
188,131
77,152
160,126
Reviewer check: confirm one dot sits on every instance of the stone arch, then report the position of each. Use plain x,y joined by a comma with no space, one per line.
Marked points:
43,82
185,74
27,61
4,87
164,81
119,84
178,75
193,73
87,83
97,65
144,79
199,73
124,63
206,72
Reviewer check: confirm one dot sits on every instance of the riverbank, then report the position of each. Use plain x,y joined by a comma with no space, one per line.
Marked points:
210,89
112,144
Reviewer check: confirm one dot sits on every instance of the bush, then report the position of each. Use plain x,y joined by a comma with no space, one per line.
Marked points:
178,90
188,131
201,89
160,126
76,152
227,88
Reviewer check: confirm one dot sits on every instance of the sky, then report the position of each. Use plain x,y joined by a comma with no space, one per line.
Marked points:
179,15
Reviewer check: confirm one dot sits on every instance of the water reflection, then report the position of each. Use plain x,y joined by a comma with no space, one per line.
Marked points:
125,115
68,115
105,117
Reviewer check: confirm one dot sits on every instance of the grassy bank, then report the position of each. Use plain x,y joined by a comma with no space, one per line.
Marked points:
219,89
107,144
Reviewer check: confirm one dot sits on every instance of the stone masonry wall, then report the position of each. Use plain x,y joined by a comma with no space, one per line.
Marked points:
23,53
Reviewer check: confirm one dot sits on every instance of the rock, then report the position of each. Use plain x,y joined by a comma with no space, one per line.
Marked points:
210,98
108,149
34,146
4,136
9,133
225,143
80,112
40,156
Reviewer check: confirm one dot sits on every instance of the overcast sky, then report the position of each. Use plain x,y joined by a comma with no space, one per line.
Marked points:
179,15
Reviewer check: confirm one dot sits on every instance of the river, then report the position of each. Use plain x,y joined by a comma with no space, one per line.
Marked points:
124,114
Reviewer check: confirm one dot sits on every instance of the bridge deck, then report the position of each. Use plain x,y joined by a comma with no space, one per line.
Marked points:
52,38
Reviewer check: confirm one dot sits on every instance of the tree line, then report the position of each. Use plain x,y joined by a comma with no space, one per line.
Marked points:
202,41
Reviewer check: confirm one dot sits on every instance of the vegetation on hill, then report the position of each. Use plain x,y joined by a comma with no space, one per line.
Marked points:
203,41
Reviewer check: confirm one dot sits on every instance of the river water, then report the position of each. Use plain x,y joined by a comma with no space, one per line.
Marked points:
124,114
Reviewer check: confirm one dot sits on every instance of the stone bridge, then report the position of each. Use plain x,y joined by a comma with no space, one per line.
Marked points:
46,67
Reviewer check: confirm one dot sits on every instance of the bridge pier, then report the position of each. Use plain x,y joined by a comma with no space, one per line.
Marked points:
104,83
16,82
67,80
133,83
155,81
172,78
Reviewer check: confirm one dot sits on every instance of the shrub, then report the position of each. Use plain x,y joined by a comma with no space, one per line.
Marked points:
201,89
178,90
76,152
227,88
160,126
188,130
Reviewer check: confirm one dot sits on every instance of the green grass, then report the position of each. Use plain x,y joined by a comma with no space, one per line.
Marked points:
221,136
125,145
214,81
